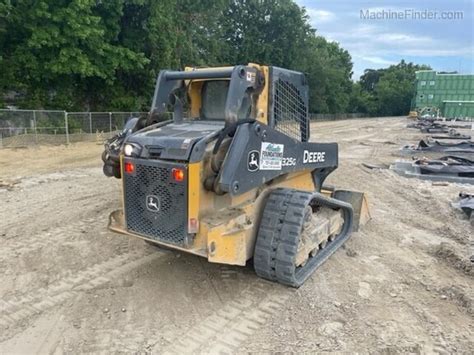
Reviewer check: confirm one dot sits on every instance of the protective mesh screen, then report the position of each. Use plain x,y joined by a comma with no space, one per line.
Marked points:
289,110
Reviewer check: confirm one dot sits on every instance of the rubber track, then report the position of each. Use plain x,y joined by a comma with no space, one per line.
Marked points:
279,234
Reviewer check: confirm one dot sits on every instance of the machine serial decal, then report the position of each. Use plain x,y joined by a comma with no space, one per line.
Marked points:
288,161
253,161
313,157
153,203
271,156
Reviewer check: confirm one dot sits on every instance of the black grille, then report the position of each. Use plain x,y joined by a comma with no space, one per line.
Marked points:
149,186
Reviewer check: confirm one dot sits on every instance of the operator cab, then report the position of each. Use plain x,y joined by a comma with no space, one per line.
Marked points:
214,96
203,102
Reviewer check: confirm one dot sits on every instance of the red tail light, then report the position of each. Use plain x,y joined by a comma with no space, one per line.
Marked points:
129,167
178,174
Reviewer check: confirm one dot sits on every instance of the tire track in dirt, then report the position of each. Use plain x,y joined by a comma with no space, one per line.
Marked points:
38,207
57,205
441,345
232,282
129,339
226,329
46,218
47,239
40,300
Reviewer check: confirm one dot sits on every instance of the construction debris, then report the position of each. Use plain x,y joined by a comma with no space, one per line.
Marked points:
421,123
430,125
447,168
436,146
466,204
447,165
440,183
452,134
434,128
375,166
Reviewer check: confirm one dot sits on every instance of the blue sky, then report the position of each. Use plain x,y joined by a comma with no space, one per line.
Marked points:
445,45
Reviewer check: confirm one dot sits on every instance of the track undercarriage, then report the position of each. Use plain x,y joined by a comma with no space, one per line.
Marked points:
298,232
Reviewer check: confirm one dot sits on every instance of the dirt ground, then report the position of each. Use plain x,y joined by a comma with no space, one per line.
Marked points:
404,283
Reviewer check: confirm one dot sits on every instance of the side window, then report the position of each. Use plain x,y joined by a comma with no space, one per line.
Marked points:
430,96
432,83
423,83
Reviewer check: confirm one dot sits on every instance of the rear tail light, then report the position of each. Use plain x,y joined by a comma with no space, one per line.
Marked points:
129,168
177,174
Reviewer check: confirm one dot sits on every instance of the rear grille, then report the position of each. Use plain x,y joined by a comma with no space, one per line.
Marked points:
155,205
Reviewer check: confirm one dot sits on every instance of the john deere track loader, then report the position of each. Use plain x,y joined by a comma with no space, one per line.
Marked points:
232,176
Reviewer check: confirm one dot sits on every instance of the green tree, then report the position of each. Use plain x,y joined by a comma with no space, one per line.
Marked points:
85,54
277,32
369,79
264,31
329,69
51,46
388,91
360,100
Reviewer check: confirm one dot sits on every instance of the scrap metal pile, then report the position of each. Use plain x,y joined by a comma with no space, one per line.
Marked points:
447,168
429,125
430,145
451,159
456,142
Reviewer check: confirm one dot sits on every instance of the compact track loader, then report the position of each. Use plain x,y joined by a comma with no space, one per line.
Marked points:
232,176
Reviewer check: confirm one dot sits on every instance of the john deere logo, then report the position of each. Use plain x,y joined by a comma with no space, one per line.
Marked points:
153,203
253,161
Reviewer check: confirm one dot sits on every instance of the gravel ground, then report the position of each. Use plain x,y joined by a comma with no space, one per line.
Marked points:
404,283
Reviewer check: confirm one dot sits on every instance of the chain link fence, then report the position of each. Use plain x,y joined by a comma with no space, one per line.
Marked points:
22,128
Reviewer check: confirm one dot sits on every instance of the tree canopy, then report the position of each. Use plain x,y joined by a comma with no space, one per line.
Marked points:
105,55
386,92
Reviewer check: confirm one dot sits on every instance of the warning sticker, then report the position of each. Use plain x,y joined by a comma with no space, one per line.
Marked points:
250,76
185,143
271,156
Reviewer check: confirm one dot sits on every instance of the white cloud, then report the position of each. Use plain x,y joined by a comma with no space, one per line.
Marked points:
379,43
377,60
402,38
371,40
372,33
318,16
438,52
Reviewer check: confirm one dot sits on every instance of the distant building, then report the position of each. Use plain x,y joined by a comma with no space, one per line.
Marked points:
448,95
